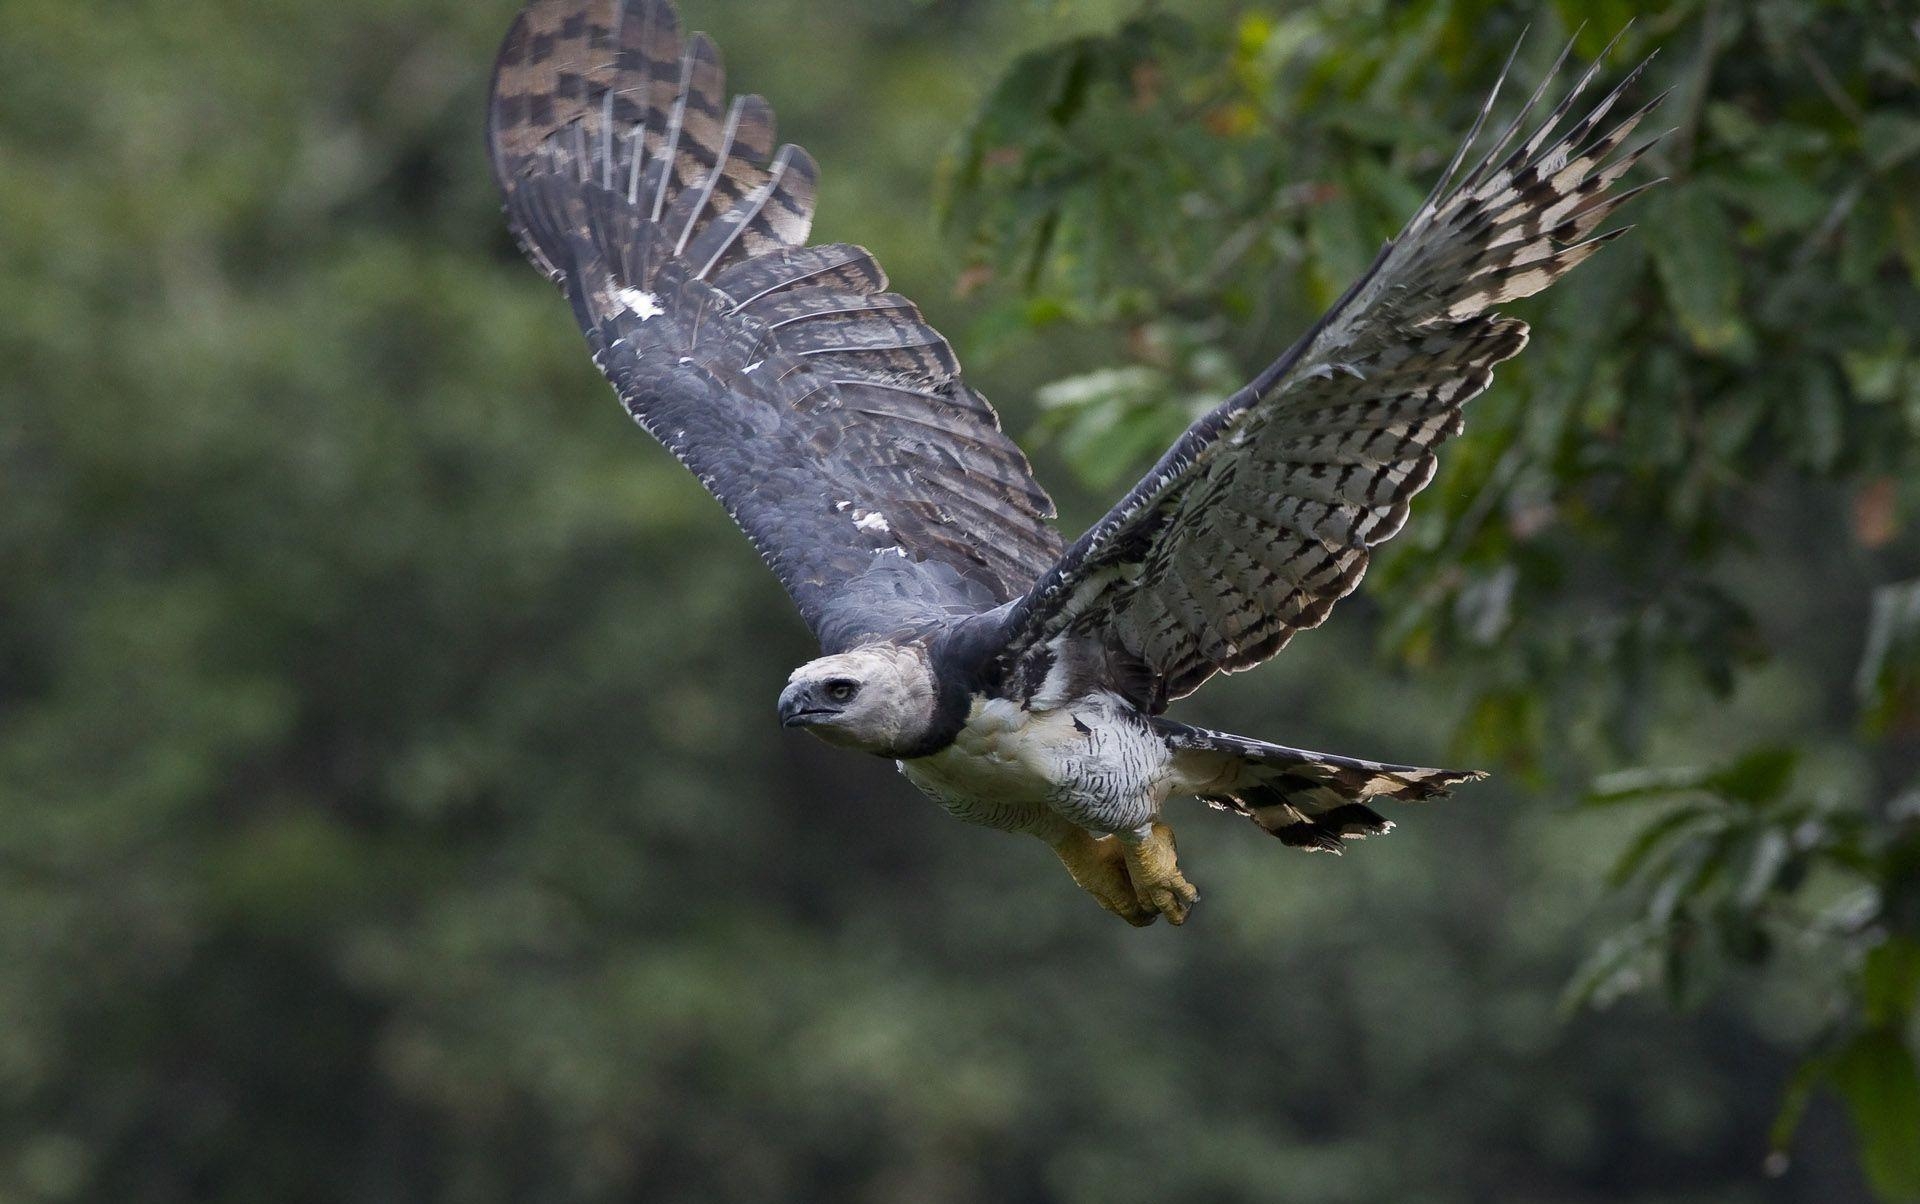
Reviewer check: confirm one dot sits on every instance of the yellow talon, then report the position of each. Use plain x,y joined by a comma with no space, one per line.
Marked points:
1155,872
1098,865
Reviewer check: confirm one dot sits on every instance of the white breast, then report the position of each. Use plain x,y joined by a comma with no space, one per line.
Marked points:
1094,762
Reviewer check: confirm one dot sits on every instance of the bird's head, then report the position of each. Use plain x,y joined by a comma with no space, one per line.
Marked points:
878,699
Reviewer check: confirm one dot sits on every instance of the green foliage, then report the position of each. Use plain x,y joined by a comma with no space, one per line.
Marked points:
390,807
1888,681
1877,1074
1739,865
1782,231
1604,556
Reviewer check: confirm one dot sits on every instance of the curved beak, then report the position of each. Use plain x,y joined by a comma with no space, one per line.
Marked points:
799,707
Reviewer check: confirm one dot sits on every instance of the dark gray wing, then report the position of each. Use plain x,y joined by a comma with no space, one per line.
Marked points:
825,414
1261,517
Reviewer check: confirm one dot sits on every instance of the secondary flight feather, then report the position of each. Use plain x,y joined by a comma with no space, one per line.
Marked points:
1018,681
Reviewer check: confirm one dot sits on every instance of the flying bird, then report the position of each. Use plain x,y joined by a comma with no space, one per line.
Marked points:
1020,681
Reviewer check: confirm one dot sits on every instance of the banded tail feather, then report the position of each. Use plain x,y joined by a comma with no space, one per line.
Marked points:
1310,800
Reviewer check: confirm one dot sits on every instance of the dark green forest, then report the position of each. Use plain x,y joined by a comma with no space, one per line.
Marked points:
392,806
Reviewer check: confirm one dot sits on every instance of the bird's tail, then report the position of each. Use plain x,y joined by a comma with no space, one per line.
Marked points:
1310,800
602,104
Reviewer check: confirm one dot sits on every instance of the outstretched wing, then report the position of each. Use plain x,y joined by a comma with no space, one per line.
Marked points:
825,414
1261,517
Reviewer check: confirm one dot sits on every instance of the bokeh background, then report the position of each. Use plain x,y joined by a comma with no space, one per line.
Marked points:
391,805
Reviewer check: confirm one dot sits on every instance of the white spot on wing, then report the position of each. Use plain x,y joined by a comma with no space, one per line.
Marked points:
870,521
645,305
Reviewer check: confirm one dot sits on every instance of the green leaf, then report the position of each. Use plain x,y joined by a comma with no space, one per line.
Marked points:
1822,417
1892,653
1502,724
1688,967
1877,1076
1483,607
1906,233
1890,982
1793,1105
1109,421
1624,963
1761,776
1890,139
1649,840
1875,374
1781,198
1693,250
1772,849
1645,784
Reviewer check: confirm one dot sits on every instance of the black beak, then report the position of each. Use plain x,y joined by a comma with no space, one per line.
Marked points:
799,707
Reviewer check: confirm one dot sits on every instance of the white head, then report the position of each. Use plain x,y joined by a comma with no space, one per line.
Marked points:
877,699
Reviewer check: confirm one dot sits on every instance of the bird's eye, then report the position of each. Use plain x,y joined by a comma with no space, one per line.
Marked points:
841,689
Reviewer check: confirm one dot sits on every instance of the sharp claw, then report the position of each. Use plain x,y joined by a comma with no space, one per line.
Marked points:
1137,884
1175,907
1130,910
1156,876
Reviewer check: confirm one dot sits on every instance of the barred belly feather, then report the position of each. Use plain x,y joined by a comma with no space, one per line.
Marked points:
1096,763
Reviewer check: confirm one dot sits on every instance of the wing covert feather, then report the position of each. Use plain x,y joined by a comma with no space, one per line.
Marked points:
827,416
1264,514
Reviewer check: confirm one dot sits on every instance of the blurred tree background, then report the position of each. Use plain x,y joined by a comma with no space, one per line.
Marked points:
390,803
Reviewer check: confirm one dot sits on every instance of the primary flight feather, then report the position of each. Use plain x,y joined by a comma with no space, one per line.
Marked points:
1018,681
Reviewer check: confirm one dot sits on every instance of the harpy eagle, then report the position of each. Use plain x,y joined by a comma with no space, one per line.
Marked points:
1018,680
